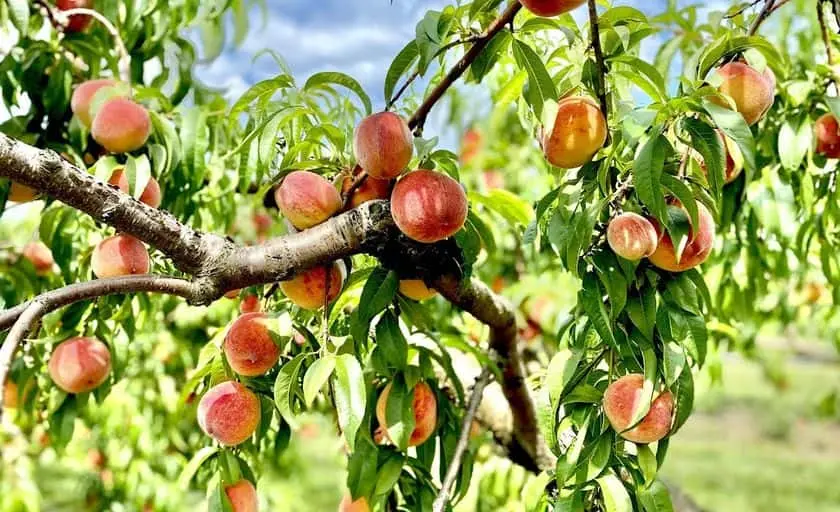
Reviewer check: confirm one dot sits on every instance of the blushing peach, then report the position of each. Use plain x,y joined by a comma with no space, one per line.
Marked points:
696,251
416,289
249,348
578,132
79,365
734,159
428,206
348,505
424,404
308,289
77,22
120,255
82,98
262,222
383,145
250,304
548,8
493,180
371,189
10,395
40,256
752,92
621,399
307,199
828,136
121,126
632,236
242,496
229,413
21,193
470,145
151,194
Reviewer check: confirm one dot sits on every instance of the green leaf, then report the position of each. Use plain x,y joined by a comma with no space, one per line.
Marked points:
644,75
647,171
647,462
591,300
19,13
795,139
616,498
319,80
390,340
646,396
350,396
402,62
732,124
379,291
316,376
194,464
559,373
673,362
642,311
399,412
510,206
834,105
488,57
261,91
683,400
540,85
212,33
681,191
389,473
708,143
287,387
655,498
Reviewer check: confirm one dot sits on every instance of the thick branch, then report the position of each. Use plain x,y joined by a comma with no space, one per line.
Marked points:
21,329
599,58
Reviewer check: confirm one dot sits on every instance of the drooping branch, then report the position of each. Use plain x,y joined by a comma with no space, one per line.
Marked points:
30,316
599,59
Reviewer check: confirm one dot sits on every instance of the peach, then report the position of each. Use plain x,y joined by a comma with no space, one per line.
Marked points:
121,126
21,193
632,236
548,8
307,199
242,496
79,365
77,22
734,159
120,255
348,505
578,132
470,145
250,304
151,194
262,222
428,206
82,98
416,289
813,292
308,289
383,145
229,413
752,92
10,395
493,180
697,250
371,189
249,347
828,136
622,398
424,404
40,256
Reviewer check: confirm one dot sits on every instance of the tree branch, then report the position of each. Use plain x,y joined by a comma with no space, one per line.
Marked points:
33,312
826,37
599,59
762,16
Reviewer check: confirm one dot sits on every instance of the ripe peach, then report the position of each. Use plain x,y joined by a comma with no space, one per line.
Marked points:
424,404
242,496
40,256
578,132
249,348
632,236
383,145
348,505
752,92
548,8
428,206
229,413
151,194
250,304
308,289
493,180
79,365
82,98
470,145
121,126
734,158
621,399
307,199
21,193
499,284
77,22
416,289
120,255
828,136
370,190
262,222
697,249
10,395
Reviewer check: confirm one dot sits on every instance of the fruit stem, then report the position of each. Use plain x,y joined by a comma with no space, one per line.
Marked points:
124,62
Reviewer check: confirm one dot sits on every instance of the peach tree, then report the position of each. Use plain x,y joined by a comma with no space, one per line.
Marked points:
225,266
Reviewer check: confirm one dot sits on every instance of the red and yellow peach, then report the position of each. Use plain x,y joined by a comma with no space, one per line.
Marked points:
579,130
424,404
120,255
428,206
622,398
249,347
307,199
383,145
229,413
79,365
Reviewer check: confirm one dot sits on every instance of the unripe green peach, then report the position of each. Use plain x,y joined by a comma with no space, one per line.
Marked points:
82,98
307,199
79,365
21,193
632,236
623,397
348,505
578,132
40,256
242,496
416,289
121,126
549,8
77,22
120,255
428,206
383,145
828,136
697,250
249,348
308,289
151,194
424,404
229,413
752,92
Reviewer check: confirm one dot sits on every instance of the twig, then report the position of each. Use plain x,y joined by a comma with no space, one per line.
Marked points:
778,5
826,39
419,118
33,312
762,16
599,58
742,9
124,61
358,181
77,63
466,425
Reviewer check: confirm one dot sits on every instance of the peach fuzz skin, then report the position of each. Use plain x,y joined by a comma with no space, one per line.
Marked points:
622,398
348,505
79,365
307,199
383,145
242,496
83,97
229,413
416,289
548,8
428,206
121,126
424,404
828,136
120,255
696,251
308,289
151,194
371,189
40,256
632,236
249,347
578,132
752,92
